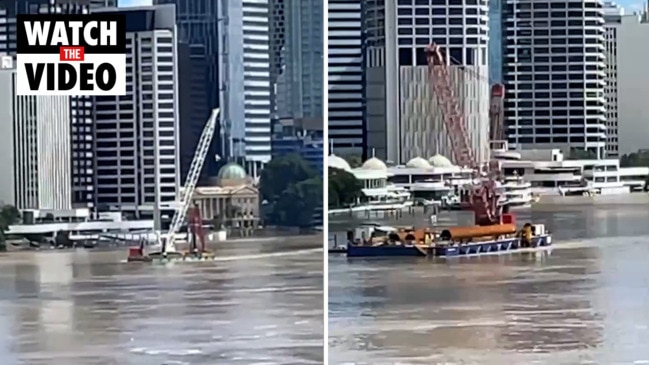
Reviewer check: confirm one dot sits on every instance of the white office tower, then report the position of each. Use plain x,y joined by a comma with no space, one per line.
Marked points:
613,17
404,119
244,73
345,88
554,70
631,79
34,148
136,139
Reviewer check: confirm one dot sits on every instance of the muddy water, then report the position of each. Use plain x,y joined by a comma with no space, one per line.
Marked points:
585,301
261,302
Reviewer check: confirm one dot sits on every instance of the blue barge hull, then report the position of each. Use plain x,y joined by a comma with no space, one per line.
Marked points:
510,244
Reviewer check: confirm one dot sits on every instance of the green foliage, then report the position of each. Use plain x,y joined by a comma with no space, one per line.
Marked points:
298,203
579,154
354,161
636,159
292,189
9,215
344,188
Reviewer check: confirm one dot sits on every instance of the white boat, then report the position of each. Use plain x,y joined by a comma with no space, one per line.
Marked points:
431,192
517,192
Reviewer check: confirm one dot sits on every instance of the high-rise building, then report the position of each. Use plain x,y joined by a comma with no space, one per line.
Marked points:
495,41
291,138
34,148
554,71
81,108
345,84
197,27
631,81
613,17
244,74
192,73
403,117
137,134
299,83
277,40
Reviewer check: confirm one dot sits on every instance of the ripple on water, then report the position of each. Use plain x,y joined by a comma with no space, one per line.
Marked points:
93,310
585,303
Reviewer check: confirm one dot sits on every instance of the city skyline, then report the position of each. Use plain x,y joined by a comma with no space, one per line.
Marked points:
133,153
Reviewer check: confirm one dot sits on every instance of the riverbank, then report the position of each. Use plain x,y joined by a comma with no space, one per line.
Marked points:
619,200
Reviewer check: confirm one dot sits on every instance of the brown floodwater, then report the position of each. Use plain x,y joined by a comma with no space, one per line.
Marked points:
584,301
259,303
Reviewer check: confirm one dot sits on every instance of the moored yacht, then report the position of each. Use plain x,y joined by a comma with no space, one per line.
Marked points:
430,192
517,192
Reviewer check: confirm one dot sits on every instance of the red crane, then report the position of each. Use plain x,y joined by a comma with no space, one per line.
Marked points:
496,113
483,197
195,229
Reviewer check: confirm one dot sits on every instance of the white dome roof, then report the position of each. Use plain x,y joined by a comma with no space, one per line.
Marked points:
338,163
374,164
418,163
440,161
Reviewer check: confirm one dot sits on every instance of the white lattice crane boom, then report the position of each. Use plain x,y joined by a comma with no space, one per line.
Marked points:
187,191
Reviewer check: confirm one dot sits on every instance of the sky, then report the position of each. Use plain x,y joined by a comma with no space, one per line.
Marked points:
629,5
133,2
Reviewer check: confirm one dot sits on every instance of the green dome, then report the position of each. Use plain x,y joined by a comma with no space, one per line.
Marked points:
232,171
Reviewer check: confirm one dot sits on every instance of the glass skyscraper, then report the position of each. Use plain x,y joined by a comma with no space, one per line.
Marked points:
495,42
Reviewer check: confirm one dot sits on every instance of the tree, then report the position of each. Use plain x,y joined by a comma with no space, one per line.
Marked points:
579,154
635,159
9,215
344,188
639,158
298,203
282,172
354,161
293,190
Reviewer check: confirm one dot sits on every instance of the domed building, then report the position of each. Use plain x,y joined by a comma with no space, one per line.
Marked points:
338,163
232,174
440,161
374,164
418,163
233,199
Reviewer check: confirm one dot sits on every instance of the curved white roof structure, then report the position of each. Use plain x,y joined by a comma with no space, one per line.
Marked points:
440,161
338,163
374,164
418,163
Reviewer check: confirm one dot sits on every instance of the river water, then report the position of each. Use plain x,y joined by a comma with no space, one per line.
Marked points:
259,303
585,301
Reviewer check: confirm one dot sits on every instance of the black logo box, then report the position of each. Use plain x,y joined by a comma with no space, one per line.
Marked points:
24,48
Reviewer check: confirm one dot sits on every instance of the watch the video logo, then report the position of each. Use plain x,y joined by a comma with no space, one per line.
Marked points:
81,54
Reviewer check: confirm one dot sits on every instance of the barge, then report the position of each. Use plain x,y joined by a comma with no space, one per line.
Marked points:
197,250
381,241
